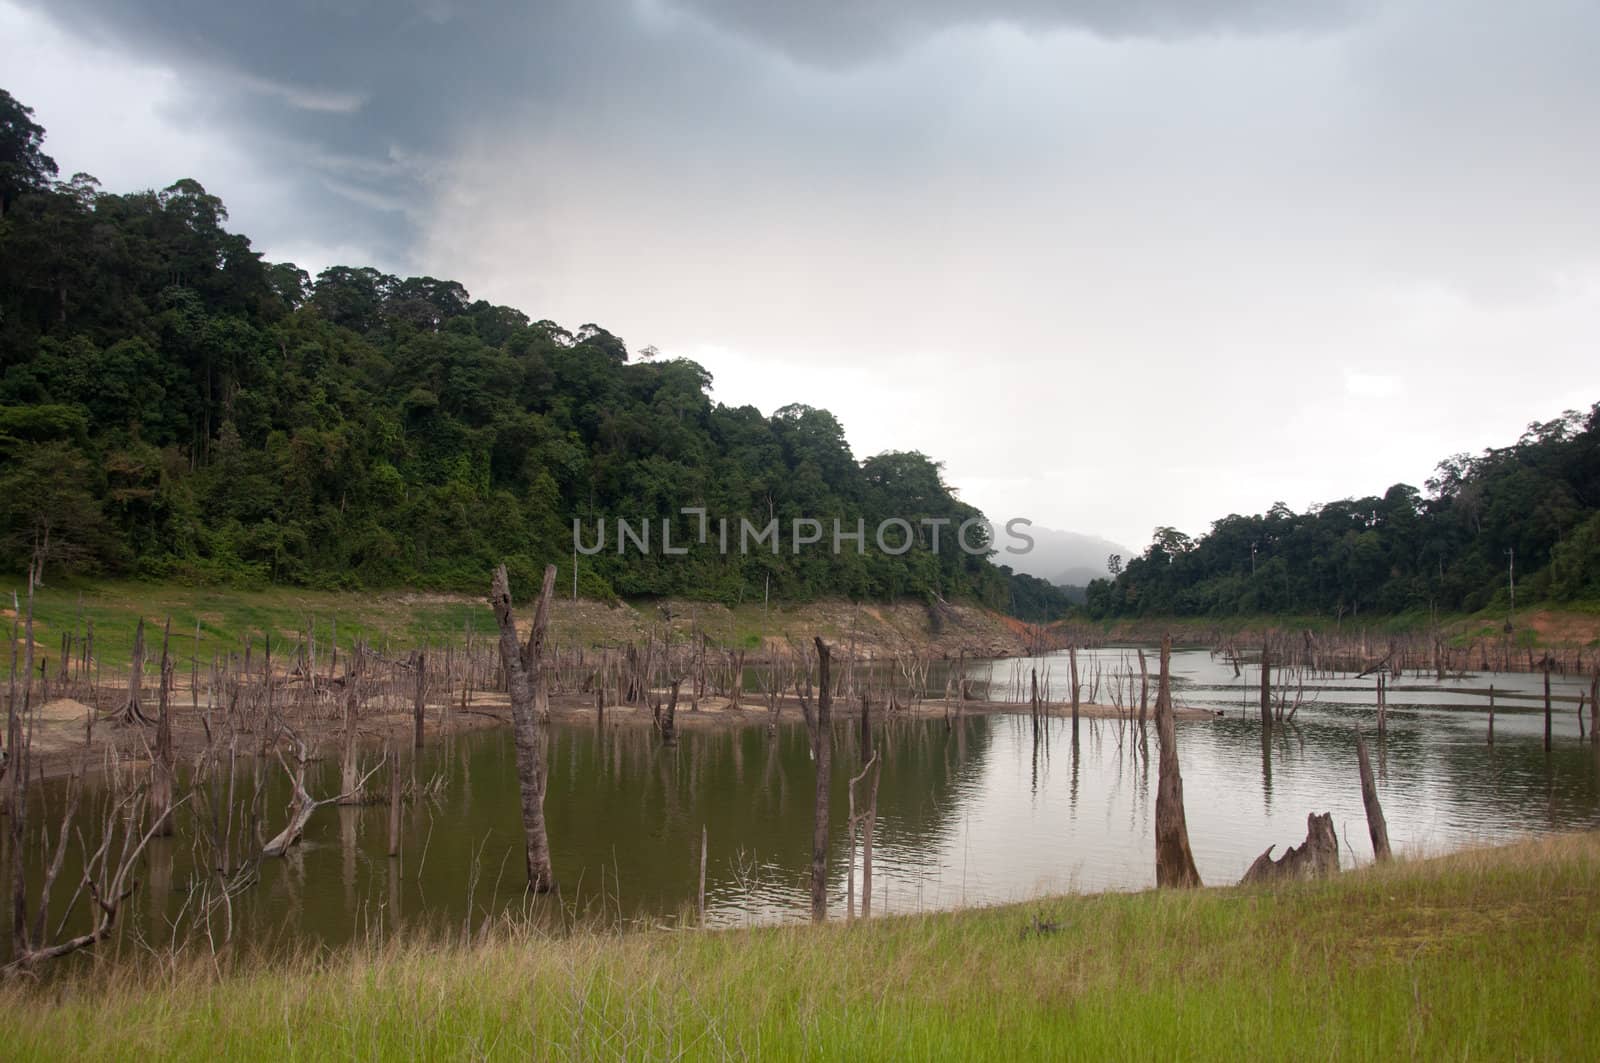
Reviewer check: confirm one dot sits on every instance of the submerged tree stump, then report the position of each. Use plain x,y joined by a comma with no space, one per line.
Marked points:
1316,857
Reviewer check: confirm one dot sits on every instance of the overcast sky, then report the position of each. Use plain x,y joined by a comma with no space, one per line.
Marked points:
1117,263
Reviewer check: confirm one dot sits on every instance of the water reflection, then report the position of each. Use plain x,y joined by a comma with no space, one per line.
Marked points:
972,810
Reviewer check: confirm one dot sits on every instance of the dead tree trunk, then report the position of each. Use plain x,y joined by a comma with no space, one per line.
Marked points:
1072,662
350,767
1174,861
1594,706
303,805
419,705
667,714
1315,857
1547,703
133,711
1266,688
524,724
871,820
737,693
1369,797
1144,689
860,822
822,751
162,768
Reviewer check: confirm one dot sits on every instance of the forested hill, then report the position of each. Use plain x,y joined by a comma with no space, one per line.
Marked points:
172,405
1530,511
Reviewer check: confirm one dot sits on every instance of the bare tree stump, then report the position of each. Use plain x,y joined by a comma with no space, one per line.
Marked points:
1316,857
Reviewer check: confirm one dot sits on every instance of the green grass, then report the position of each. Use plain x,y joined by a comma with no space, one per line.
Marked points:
1485,954
226,615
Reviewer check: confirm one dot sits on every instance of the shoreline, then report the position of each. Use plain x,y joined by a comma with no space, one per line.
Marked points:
60,724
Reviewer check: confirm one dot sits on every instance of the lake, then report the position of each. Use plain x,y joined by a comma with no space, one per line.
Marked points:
974,811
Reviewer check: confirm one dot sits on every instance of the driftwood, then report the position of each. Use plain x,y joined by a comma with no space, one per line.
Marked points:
1315,857
1174,861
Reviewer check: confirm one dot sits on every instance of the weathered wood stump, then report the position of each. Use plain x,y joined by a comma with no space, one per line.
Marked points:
1315,857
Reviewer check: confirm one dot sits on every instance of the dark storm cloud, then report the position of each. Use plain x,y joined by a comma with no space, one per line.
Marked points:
834,32
357,104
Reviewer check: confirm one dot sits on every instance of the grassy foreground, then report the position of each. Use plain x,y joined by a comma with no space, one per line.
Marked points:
1491,953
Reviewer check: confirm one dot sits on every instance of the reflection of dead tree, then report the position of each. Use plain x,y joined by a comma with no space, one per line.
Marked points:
1315,857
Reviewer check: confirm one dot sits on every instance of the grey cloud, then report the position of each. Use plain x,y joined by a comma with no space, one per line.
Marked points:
841,32
360,102
357,103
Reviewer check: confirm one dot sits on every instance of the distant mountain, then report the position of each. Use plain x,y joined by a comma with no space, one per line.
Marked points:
1065,558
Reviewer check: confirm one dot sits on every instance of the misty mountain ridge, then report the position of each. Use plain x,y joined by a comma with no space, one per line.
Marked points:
1065,558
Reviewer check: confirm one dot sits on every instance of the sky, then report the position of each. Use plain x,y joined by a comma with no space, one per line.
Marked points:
1116,263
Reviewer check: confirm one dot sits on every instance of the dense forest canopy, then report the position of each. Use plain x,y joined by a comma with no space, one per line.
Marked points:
174,406
1528,512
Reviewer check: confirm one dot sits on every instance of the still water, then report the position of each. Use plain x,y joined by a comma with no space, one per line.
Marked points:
979,811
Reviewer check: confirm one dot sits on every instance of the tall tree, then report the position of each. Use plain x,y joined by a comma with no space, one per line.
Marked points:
24,167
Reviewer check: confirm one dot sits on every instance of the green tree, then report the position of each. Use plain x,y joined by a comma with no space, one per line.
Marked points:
24,167
48,511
